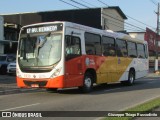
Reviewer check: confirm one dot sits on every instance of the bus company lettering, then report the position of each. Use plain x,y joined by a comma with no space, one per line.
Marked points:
89,62
42,29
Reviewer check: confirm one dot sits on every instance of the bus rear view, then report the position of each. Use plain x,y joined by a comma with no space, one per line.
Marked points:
39,57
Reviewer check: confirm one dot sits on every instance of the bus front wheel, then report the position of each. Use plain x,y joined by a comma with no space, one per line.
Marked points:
87,83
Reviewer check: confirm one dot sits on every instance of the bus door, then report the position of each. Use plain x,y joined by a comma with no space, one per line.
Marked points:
73,58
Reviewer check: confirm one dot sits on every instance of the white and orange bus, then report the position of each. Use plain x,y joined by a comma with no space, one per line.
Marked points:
56,55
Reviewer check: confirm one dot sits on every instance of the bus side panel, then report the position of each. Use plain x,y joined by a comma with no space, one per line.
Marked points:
123,67
142,67
57,82
112,70
75,69
107,70
74,72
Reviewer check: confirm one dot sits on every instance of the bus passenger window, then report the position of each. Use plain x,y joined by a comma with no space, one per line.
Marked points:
141,52
132,50
93,44
90,49
121,48
108,46
73,47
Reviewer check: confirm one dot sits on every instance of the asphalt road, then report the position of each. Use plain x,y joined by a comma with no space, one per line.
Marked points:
113,97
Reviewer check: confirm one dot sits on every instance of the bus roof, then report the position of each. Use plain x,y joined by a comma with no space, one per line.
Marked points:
109,33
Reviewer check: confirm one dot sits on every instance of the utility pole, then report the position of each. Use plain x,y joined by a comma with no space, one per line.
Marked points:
157,39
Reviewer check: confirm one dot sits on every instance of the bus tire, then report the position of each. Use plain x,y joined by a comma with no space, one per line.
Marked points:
87,83
51,89
131,78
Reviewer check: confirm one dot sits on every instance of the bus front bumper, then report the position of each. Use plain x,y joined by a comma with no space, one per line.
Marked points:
57,82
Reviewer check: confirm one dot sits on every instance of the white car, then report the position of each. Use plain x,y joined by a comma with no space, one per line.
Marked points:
11,68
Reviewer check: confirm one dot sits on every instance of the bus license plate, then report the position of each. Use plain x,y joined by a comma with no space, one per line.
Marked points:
35,85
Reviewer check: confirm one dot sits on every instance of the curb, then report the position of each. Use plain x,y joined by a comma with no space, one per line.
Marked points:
153,75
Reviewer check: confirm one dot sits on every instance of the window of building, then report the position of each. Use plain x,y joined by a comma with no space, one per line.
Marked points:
108,46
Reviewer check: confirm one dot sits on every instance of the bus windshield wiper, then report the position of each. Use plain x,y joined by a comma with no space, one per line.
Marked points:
40,45
45,39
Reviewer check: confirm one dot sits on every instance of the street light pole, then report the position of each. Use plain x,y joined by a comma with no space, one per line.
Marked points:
156,41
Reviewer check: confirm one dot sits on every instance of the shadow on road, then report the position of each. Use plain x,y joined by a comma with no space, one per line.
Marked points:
9,83
142,84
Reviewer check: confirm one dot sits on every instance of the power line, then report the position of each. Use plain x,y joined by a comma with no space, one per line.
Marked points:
122,21
154,2
116,23
69,4
111,16
131,17
140,21
103,2
88,3
79,3
107,15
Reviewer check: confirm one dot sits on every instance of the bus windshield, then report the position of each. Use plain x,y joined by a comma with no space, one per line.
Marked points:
38,50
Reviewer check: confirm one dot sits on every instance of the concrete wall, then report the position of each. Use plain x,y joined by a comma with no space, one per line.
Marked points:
112,20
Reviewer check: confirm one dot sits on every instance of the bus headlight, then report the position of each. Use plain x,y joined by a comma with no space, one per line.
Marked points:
56,73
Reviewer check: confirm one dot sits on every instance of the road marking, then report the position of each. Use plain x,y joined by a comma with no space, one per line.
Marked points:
20,107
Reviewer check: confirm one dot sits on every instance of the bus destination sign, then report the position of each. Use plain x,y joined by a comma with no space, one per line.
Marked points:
47,28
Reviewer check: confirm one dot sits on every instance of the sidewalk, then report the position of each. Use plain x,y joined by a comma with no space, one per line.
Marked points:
153,75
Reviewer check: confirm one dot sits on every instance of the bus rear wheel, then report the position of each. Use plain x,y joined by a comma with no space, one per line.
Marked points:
131,78
87,83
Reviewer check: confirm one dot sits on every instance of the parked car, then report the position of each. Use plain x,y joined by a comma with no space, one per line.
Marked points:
11,68
5,59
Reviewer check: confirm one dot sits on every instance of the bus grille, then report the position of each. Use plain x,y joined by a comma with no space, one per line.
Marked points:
39,83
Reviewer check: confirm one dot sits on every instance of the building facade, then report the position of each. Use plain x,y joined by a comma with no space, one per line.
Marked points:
150,36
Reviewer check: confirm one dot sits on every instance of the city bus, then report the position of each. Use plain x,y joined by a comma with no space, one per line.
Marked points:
61,54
